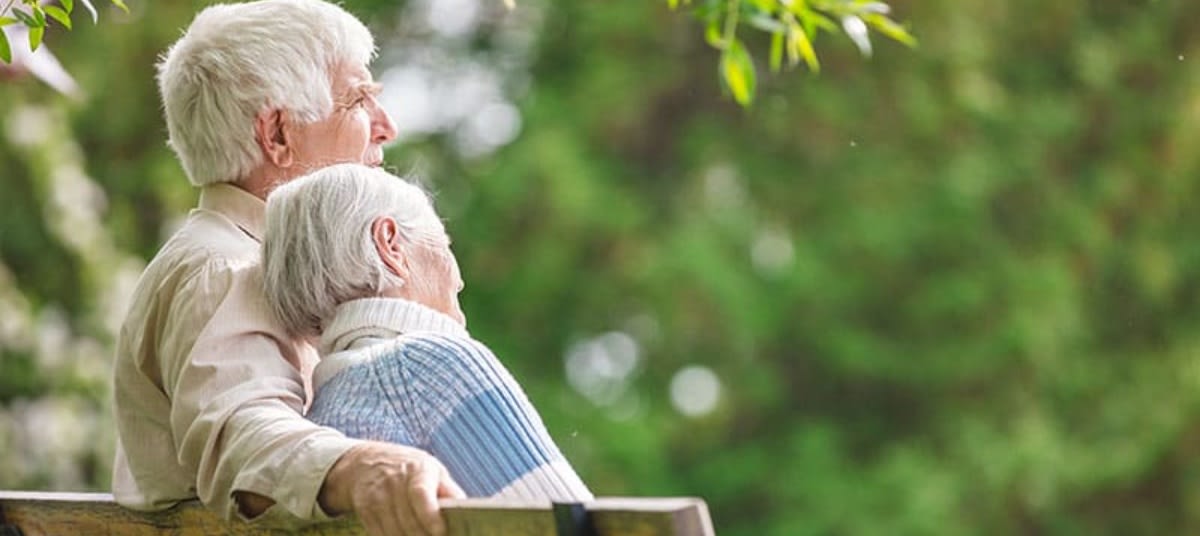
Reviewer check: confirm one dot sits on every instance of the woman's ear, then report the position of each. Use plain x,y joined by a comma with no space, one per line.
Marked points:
385,233
271,131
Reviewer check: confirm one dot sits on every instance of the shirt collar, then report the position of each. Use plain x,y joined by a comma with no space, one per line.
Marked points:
383,318
246,210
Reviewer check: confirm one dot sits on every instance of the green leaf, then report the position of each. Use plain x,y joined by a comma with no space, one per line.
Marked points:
59,15
766,23
858,32
712,33
776,51
68,5
5,50
5,21
25,18
91,9
889,28
814,21
767,6
121,4
800,46
673,3
737,69
35,37
39,16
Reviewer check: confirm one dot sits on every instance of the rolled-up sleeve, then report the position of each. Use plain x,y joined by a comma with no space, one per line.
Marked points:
238,397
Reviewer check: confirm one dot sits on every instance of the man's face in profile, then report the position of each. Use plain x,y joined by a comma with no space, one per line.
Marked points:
356,129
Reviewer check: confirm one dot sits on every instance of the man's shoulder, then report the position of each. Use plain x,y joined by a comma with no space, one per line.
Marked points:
204,257
214,236
205,241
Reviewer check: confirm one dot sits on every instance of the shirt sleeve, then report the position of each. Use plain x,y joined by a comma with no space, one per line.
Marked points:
237,400
481,425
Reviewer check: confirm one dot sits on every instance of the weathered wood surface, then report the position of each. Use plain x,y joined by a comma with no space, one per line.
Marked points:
59,514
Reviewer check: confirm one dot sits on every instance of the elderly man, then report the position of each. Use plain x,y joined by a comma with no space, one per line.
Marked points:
209,388
358,257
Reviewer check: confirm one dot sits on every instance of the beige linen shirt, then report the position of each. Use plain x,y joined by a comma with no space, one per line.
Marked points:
209,390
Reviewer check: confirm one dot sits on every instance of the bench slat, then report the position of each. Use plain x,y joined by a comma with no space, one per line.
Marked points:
40,513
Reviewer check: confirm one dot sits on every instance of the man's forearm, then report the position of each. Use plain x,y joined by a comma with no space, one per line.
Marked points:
267,454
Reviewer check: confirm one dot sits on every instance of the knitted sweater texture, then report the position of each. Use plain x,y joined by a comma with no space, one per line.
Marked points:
403,373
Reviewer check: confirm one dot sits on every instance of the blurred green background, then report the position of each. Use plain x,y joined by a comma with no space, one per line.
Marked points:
949,290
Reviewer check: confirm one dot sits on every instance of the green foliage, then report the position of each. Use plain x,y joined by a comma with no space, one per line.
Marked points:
5,48
738,72
793,26
33,15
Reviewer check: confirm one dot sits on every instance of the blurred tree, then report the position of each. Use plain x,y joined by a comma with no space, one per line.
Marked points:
942,292
793,26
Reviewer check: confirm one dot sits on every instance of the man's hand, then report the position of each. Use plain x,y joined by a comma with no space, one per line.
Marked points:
393,489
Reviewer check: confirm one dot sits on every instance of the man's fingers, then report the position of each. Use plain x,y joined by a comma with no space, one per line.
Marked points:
406,521
382,508
402,512
397,489
423,487
447,487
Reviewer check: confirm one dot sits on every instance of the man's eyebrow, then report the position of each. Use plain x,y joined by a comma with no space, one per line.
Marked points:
364,87
369,88
361,89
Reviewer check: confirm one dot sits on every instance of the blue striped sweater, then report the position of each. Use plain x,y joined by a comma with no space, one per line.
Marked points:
392,370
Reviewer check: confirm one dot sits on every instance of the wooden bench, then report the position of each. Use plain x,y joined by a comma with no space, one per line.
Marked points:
95,514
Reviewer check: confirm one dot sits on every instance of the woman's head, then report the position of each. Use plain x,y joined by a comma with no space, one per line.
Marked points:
350,231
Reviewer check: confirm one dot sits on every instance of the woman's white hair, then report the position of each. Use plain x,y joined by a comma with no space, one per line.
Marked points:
318,250
236,60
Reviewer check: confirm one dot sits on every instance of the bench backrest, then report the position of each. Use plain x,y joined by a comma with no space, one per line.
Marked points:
40,513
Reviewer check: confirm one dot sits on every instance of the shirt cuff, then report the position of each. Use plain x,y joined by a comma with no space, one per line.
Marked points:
297,489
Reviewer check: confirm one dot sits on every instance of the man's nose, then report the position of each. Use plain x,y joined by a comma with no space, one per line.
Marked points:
383,130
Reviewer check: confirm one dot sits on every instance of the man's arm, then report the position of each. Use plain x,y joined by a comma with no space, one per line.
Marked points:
237,397
394,473
236,415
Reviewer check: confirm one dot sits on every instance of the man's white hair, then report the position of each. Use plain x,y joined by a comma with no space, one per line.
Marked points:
236,60
318,250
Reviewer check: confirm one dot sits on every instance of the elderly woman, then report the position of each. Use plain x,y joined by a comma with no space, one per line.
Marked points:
358,257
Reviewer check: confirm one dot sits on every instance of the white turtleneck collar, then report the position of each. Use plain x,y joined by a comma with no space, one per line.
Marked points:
367,321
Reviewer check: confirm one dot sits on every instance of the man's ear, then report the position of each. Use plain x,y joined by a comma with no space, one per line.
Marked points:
385,233
271,131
